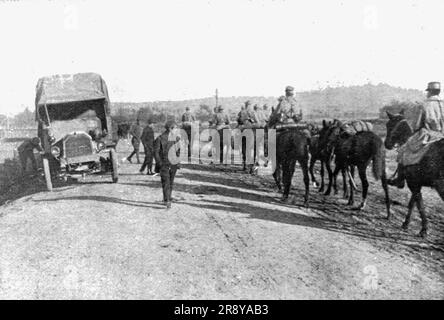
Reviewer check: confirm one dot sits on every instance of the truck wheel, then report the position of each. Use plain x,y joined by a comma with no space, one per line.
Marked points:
47,173
114,169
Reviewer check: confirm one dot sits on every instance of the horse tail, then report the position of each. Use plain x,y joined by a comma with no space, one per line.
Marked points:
378,160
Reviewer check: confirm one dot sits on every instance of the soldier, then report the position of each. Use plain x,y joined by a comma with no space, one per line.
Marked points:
187,119
266,111
259,117
285,111
428,126
221,121
26,151
168,170
246,117
147,140
136,132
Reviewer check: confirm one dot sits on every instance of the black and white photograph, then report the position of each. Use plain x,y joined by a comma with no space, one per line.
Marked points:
214,150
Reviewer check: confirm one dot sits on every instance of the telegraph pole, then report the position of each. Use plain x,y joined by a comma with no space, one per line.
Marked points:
217,98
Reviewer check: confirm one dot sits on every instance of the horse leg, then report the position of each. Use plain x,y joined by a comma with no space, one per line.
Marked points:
421,209
313,178
411,204
351,200
322,176
344,182
304,168
288,171
277,176
335,179
335,175
330,177
386,192
363,176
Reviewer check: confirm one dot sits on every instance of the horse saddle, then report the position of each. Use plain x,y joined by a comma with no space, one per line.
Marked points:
353,127
416,147
290,126
299,127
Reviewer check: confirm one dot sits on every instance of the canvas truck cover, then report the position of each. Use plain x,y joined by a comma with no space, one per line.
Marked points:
71,88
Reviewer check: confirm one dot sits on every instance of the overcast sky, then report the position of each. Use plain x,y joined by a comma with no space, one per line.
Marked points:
174,50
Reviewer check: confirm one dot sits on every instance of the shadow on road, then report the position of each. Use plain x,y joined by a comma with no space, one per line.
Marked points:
143,204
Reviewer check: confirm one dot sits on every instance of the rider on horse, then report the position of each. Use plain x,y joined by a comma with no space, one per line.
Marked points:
428,127
285,112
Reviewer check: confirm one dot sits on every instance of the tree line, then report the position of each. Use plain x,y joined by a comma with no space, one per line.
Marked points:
339,102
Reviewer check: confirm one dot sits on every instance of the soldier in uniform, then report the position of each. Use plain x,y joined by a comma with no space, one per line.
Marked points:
187,119
285,111
147,140
266,111
259,117
246,117
26,151
136,131
428,126
221,121
168,170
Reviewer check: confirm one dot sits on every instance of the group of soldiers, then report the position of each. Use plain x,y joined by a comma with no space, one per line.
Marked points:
428,125
248,117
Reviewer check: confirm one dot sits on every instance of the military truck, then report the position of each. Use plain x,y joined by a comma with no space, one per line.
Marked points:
75,126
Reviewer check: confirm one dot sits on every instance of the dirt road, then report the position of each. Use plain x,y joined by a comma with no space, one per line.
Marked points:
227,237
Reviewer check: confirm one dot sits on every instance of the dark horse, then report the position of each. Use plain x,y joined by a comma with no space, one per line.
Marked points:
357,150
317,152
325,154
291,145
429,172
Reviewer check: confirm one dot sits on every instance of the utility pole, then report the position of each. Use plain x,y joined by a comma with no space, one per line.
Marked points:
217,99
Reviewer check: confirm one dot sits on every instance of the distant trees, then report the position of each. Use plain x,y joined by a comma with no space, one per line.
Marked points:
204,113
351,102
3,120
396,106
24,119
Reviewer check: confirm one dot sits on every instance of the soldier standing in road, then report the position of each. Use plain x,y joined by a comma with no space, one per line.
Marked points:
136,132
168,168
246,119
187,119
266,112
147,139
26,151
221,121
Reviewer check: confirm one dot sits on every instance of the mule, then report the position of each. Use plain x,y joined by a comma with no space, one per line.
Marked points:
291,146
429,172
358,151
315,155
326,154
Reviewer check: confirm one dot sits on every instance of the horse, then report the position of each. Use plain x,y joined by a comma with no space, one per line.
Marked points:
316,153
358,150
429,172
326,156
291,145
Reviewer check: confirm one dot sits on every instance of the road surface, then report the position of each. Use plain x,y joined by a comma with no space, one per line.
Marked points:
227,236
